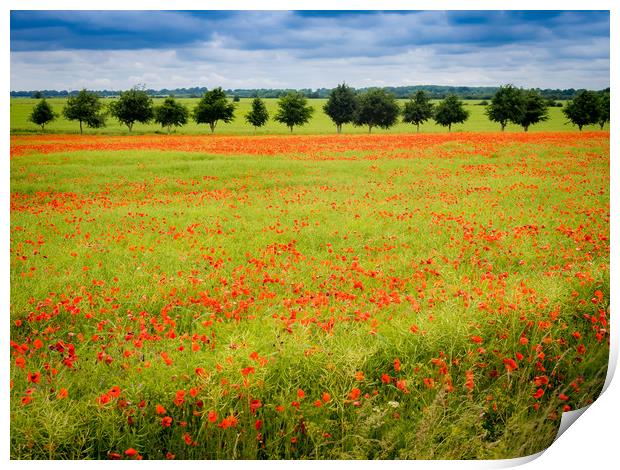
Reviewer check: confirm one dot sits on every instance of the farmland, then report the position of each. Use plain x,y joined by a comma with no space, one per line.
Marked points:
431,296
319,124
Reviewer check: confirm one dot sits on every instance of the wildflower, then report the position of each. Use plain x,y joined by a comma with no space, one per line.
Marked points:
510,364
131,452
355,393
469,379
429,382
179,397
255,404
402,385
229,422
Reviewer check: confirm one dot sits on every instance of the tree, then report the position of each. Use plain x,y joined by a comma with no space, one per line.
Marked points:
376,108
132,106
418,109
534,109
450,111
258,115
506,105
604,104
214,107
85,107
37,95
42,113
340,106
171,113
584,109
293,110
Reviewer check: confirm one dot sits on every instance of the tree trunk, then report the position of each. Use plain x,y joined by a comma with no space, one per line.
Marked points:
580,126
212,126
602,125
80,126
169,127
525,128
129,126
503,126
449,127
339,128
291,128
418,127
43,127
369,129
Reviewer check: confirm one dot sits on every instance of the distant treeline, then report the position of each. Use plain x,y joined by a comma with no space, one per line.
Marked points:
433,91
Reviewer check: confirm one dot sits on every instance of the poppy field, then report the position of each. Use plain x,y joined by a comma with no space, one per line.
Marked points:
429,296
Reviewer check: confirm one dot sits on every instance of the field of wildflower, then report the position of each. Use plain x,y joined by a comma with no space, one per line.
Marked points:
431,296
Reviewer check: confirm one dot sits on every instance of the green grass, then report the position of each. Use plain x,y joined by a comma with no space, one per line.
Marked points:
502,244
320,123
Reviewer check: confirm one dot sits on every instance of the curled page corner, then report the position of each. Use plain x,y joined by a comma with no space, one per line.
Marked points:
568,418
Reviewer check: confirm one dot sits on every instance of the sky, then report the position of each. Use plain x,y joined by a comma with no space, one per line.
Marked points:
114,50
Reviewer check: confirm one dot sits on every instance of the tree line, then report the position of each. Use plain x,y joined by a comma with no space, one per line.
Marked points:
434,91
372,108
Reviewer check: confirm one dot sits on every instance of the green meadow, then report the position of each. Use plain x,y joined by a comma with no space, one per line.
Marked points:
446,300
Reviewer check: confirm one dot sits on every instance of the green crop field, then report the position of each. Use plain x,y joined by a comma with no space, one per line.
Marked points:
320,123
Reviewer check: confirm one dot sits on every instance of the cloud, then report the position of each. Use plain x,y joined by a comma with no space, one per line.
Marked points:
308,49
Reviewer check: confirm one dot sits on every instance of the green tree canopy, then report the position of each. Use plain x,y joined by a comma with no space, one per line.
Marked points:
42,113
450,111
376,108
171,113
506,106
85,107
293,110
214,107
258,115
604,105
418,109
534,109
132,106
340,105
584,109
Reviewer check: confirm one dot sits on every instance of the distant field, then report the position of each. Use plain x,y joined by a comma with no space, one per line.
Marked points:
320,123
